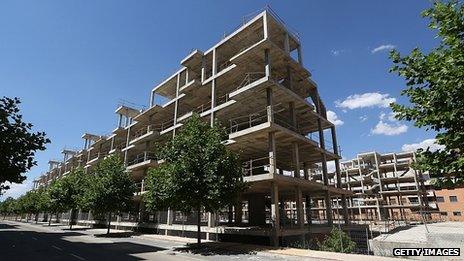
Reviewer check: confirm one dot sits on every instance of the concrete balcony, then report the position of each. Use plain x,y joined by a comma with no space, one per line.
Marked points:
143,160
145,133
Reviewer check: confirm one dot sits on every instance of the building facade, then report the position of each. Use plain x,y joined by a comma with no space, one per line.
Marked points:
450,204
386,187
254,83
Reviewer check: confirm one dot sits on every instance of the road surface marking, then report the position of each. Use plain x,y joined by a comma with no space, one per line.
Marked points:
34,238
55,247
78,257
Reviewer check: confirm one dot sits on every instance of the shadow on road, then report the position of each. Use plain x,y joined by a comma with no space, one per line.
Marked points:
33,245
220,248
118,234
8,226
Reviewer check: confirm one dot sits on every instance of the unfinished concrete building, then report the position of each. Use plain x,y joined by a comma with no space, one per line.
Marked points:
385,187
253,82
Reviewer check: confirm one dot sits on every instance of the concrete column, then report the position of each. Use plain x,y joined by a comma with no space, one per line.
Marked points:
126,159
211,219
203,68
267,62
308,209
300,55
238,212
286,43
270,103
272,153
289,78
170,217
213,86
112,143
327,198
176,105
265,26
152,97
296,160
275,214
299,207
377,163
337,171
305,171
379,215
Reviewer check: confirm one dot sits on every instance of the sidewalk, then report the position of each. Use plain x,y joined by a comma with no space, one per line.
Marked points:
208,247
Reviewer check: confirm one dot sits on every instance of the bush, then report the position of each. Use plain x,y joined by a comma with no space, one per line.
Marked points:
337,241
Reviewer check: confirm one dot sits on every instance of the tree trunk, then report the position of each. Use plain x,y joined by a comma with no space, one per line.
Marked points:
70,220
109,223
49,219
36,218
199,226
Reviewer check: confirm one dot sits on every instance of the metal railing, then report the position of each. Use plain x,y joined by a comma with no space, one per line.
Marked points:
147,129
250,77
256,166
146,155
245,122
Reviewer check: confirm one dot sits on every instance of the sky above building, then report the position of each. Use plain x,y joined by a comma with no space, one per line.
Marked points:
73,62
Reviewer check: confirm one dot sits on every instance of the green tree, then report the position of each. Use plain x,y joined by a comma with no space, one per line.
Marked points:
199,172
18,143
435,88
67,193
337,241
40,202
111,190
7,207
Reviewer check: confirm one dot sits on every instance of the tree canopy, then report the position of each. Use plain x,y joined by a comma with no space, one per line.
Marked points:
435,88
198,173
111,189
337,241
67,192
18,143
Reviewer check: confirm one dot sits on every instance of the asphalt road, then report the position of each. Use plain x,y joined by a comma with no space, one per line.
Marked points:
25,241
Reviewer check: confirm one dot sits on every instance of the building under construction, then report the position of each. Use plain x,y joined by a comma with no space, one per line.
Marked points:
253,82
385,187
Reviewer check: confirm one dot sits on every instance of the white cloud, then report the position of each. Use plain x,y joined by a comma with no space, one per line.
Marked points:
428,143
390,116
363,118
337,52
17,190
332,117
383,47
370,99
389,129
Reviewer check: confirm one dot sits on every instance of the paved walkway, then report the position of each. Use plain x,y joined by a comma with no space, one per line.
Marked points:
29,241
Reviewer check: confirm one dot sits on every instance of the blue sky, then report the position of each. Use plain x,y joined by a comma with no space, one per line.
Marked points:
72,62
